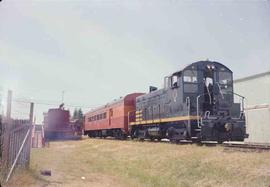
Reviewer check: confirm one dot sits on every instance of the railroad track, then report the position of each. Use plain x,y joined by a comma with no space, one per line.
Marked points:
246,147
233,146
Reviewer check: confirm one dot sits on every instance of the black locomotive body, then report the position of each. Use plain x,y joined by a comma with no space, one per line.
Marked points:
196,103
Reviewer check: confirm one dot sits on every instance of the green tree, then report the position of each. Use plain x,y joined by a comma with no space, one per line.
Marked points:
75,114
78,116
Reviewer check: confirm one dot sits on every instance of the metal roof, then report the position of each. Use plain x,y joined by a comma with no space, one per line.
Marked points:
252,77
201,64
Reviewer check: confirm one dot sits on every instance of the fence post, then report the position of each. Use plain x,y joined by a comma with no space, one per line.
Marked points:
31,113
9,101
7,128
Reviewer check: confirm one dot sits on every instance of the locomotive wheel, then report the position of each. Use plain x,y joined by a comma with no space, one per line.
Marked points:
196,141
134,134
219,139
124,137
170,134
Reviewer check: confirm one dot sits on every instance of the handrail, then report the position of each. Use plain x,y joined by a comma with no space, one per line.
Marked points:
188,104
238,95
128,116
209,94
207,114
220,90
242,97
242,101
152,108
198,97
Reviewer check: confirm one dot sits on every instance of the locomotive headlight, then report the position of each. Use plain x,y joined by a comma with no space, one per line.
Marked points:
208,66
213,67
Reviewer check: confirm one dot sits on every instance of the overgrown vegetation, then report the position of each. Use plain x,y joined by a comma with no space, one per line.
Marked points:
98,162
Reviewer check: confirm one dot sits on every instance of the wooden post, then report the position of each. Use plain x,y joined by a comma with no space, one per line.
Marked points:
9,102
7,129
31,115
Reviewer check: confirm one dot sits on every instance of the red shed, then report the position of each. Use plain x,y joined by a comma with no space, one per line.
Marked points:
111,119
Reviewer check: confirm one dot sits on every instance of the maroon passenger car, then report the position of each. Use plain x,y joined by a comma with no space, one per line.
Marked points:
110,119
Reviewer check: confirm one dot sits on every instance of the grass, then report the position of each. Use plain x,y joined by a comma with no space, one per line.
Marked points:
132,163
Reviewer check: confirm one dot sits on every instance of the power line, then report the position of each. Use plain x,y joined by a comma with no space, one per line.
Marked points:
49,103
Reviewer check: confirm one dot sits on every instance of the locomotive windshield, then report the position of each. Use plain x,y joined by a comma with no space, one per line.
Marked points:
225,81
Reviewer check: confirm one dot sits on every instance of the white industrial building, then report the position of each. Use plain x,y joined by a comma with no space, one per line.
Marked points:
256,90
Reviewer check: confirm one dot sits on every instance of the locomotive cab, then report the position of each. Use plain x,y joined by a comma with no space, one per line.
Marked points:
219,118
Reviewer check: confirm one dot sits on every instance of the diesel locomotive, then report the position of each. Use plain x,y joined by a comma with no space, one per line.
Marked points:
196,103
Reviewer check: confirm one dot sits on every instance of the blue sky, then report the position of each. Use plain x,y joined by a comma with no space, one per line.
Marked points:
100,50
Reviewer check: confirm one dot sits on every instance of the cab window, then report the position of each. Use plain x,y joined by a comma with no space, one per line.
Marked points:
190,76
190,81
174,81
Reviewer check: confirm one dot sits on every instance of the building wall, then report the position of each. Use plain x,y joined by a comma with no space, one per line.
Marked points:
256,90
